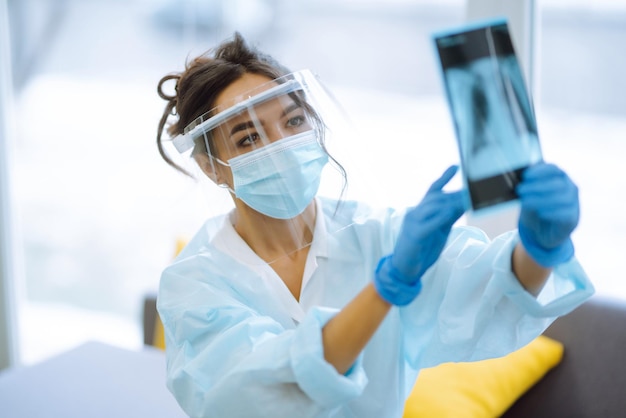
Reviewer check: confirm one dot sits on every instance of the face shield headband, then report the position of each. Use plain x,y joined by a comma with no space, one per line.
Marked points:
200,127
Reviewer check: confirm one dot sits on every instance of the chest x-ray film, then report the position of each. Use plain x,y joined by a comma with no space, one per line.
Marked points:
492,112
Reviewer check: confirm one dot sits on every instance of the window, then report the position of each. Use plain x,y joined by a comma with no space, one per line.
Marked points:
99,211
582,120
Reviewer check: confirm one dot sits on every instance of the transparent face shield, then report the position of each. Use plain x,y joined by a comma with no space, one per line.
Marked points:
267,142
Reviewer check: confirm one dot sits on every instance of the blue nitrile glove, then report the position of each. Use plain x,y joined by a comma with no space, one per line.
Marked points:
549,213
424,233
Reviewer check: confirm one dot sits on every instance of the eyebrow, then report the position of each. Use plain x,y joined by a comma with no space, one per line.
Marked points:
249,124
241,127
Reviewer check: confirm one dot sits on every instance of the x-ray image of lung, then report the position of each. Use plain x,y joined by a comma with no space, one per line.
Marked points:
494,118
491,110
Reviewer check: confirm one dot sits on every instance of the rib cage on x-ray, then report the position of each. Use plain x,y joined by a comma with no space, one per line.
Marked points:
509,86
519,105
492,114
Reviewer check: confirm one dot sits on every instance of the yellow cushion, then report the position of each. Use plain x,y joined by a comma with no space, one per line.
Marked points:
481,389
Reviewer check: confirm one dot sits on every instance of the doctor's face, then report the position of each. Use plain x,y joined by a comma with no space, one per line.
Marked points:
257,125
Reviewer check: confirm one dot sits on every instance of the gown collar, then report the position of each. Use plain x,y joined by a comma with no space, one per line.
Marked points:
228,241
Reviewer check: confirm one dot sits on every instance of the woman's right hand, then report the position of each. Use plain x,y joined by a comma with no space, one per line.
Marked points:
424,233
549,213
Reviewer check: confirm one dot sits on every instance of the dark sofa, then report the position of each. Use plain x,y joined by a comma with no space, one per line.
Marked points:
590,381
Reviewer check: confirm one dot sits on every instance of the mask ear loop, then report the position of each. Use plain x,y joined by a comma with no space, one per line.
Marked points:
213,168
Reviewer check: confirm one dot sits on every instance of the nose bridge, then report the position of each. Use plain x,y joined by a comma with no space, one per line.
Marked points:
271,130
277,132
269,115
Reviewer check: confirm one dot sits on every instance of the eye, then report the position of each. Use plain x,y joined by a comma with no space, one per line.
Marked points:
248,140
295,121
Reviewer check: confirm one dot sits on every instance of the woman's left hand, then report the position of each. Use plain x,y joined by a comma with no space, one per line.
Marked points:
549,213
422,238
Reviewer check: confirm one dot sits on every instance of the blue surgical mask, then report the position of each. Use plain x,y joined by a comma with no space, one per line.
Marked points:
282,178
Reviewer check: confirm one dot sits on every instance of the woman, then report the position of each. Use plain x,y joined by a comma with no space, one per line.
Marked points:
295,305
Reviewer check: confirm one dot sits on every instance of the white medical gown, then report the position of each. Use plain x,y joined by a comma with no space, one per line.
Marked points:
240,345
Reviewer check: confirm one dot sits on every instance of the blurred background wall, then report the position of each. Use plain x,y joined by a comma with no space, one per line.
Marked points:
97,213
